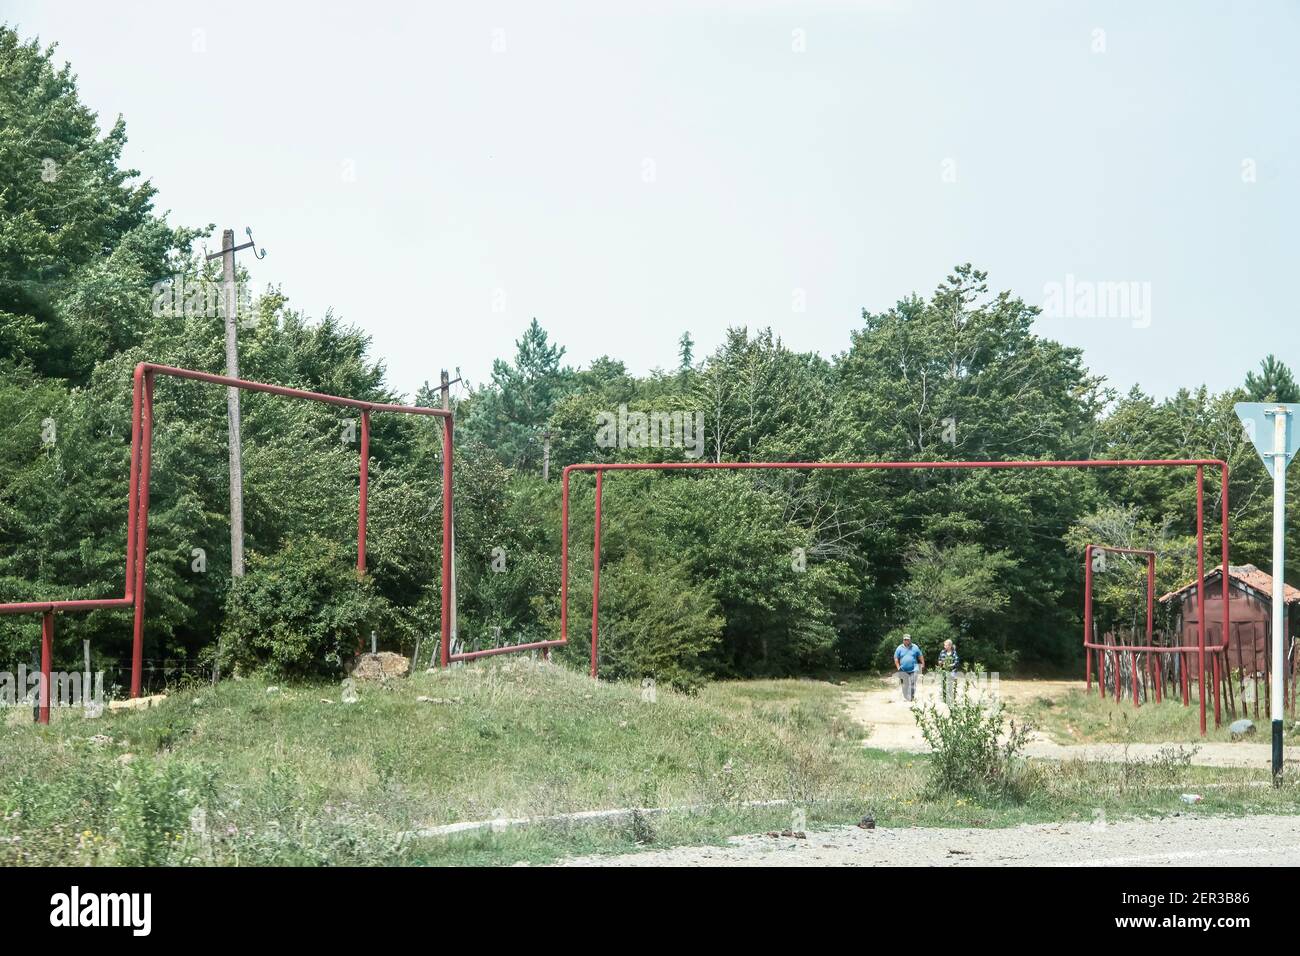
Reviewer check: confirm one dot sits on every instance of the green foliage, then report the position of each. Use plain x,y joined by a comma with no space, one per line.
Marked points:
300,611
1274,383
975,747
79,244
798,571
954,593
152,808
962,375
661,624
508,415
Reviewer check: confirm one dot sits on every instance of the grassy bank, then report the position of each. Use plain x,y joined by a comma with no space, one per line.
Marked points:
246,774
1081,718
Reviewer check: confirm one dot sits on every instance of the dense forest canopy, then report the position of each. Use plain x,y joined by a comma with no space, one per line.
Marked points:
704,574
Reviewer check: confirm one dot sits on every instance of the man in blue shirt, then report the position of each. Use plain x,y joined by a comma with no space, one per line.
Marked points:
909,661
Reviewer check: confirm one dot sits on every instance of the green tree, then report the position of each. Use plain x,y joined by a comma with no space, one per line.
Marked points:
79,244
685,353
958,593
962,375
509,414
1274,383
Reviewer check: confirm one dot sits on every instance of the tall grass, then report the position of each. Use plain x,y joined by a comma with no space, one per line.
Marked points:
244,774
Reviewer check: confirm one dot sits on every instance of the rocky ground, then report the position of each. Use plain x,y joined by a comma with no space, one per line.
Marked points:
1183,840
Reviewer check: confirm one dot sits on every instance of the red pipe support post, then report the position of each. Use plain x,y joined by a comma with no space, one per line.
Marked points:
1200,588
364,496
1087,615
47,658
447,441
595,581
142,534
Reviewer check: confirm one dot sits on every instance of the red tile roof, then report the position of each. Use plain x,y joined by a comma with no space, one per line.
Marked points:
1245,576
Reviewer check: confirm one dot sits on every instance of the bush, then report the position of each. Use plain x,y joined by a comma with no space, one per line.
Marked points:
974,751
299,612
655,624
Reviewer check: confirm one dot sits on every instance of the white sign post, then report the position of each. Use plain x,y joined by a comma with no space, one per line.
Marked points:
1270,426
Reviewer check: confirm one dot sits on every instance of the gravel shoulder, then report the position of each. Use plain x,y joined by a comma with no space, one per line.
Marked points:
1184,840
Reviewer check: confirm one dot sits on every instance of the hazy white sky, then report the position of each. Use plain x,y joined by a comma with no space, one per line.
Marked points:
438,174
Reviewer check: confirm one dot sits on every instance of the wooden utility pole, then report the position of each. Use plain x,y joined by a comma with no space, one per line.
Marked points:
546,455
230,298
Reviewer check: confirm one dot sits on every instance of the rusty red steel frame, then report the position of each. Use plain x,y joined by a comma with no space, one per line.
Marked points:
1200,464
1089,645
137,522
1113,651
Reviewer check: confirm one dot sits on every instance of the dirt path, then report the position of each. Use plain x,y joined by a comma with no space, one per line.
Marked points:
893,728
1171,841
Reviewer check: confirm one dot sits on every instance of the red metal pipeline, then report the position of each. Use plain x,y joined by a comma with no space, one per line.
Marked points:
142,534
595,580
1157,671
137,390
564,556
1087,613
293,392
491,651
365,487
1151,597
835,466
1151,647
47,657
40,607
1200,586
138,499
1199,463
896,465
1226,637
447,442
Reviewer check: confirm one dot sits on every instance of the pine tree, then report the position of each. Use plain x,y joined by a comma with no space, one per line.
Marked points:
1274,383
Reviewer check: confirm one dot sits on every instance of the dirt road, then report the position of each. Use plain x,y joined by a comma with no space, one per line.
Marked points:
893,728
1185,840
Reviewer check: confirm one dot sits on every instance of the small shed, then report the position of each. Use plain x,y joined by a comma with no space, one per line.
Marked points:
1250,608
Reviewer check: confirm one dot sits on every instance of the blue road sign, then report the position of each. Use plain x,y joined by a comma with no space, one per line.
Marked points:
1257,419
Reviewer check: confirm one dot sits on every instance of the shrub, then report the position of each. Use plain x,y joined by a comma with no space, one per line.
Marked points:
299,612
655,624
975,747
